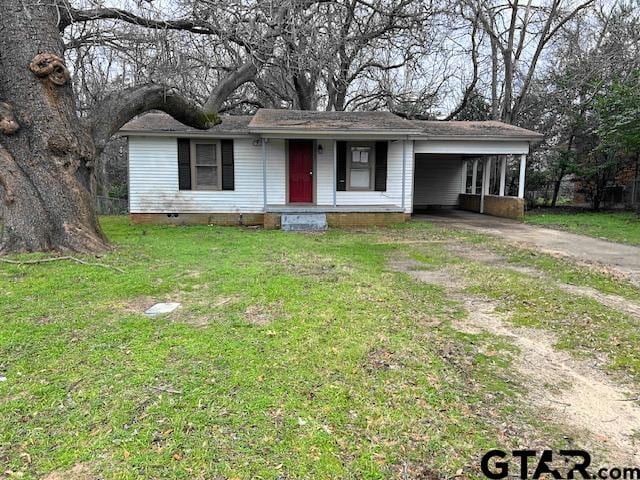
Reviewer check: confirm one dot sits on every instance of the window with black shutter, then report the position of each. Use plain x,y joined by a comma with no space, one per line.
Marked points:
184,164
205,164
381,166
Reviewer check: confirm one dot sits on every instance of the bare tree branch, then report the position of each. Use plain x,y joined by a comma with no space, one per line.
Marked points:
118,108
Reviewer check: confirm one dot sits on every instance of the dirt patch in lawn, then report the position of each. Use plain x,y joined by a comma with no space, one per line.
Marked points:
312,265
199,311
415,471
139,304
264,314
381,359
80,471
568,391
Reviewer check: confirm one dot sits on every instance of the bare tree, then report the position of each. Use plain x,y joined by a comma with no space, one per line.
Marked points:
518,35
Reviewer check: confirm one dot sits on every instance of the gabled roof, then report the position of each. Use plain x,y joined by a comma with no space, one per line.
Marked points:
268,120
309,124
160,122
488,129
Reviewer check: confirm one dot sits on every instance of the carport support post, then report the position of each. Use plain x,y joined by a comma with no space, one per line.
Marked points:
264,173
474,176
523,169
404,170
486,178
503,174
463,179
335,172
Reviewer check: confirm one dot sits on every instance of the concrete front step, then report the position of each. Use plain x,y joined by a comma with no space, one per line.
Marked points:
304,222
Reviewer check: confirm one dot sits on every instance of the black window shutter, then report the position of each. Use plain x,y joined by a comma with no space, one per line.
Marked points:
227,165
184,164
381,166
341,163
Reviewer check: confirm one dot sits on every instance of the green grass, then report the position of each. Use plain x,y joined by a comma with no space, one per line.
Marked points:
623,227
293,356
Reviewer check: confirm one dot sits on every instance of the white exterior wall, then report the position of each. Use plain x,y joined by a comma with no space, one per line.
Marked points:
153,179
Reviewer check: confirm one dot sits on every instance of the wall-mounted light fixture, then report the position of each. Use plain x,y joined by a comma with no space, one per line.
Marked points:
320,149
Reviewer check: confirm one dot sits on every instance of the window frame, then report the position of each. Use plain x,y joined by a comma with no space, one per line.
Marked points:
372,166
218,164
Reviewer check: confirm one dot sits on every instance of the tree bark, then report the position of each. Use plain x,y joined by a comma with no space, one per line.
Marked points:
46,153
46,162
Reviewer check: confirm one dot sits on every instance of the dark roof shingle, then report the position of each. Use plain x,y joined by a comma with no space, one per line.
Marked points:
313,121
306,120
477,129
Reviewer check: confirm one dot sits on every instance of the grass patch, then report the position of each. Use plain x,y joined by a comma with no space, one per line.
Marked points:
293,356
623,227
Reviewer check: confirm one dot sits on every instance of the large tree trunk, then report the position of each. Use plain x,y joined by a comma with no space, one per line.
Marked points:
47,154
46,165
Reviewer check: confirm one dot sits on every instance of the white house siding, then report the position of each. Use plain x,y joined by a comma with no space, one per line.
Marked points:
153,179
437,180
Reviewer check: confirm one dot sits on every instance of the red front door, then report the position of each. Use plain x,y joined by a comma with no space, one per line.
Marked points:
300,171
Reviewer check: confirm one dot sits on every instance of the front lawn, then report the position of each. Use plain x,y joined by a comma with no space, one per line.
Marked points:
623,227
293,356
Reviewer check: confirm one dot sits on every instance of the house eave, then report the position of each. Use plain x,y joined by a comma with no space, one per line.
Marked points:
191,134
477,138
280,133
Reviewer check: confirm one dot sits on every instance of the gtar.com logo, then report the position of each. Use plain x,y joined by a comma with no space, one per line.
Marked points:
527,464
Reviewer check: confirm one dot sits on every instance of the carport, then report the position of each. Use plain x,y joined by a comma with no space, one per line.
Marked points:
475,166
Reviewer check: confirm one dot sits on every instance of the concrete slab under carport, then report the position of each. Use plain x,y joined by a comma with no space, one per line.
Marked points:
616,256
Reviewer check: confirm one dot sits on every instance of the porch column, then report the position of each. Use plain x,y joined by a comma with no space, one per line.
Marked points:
503,174
463,180
523,169
474,176
486,185
486,177
264,173
335,171
404,170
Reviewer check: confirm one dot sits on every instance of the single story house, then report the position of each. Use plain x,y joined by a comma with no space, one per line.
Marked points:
353,168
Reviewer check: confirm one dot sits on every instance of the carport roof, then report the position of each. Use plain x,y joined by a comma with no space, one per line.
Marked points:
473,130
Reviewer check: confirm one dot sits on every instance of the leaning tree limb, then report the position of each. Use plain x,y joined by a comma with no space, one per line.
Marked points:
246,73
118,108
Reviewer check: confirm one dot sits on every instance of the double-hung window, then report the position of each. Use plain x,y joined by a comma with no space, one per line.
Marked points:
206,171
361,168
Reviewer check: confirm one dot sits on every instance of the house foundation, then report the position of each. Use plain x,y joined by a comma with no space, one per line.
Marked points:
269,220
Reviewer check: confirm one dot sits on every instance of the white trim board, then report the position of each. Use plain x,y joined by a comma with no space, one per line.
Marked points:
470,147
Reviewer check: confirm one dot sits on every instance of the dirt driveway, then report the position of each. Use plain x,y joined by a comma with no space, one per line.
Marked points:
622,258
